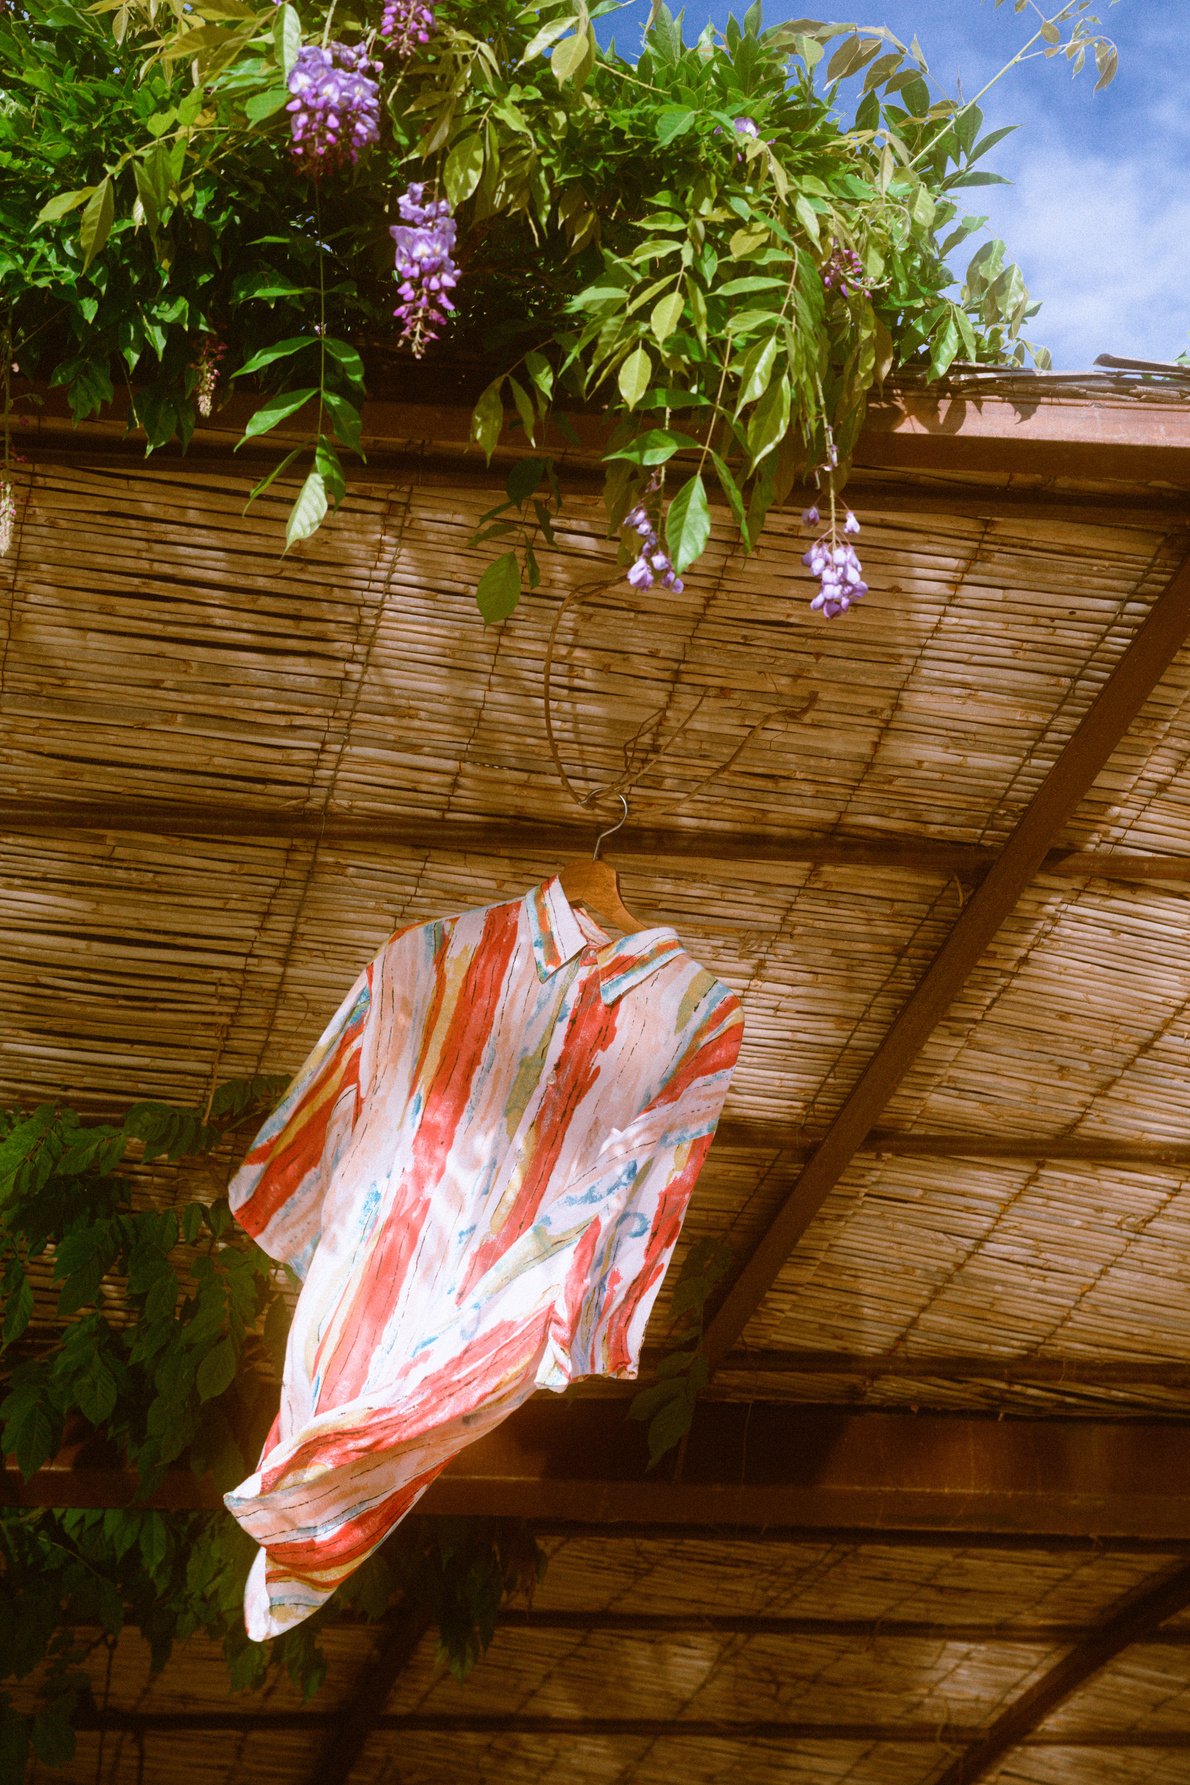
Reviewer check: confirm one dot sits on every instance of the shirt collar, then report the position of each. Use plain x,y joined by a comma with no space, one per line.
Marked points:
557,938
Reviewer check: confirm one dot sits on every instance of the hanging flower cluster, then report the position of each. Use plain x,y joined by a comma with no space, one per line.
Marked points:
844,265
335,109
424,266
207,367
834,563
653,564
407,23
8,514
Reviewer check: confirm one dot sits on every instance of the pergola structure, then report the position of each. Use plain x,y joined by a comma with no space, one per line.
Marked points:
932,1522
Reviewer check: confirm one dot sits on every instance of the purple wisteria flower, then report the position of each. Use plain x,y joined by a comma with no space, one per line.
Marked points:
335,109
844,265
835,564
653,564
424,266
407,23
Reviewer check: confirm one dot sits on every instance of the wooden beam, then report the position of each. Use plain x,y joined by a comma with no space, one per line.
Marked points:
1033,432
1134,1617
1080,1372
522,1723
1105,724
927,855
355,1720
864,1631
757,1464
796,1145
1030,428
861,1630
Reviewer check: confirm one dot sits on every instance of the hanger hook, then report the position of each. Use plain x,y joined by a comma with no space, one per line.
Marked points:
614,828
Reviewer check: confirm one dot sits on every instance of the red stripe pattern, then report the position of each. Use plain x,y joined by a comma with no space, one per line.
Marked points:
479,1174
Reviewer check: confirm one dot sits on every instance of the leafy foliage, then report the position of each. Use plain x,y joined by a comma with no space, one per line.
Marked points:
668,1403
651,238
166,1343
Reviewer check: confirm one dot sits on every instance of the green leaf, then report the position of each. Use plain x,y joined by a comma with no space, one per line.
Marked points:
346,418
52,1734
308,512
737,287
549,34
275,473
499,589
17,1147
263,105
487,420
29,1432
276,1331
347,358
18,1311
635,375
668,1427
732,491
770,419
756,371
744,321
463,167
217,1370
531,565
524,409
95,1390
154,1541
1107,62
542,374
688,524
666,315
976,179
279,350
287,37
327,463
654,447
276,409
659,1394
523,479
147,195
944,346
97,220
61,203
574,58
673,120
157,414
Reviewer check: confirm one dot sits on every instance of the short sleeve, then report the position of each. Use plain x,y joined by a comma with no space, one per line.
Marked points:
278,1192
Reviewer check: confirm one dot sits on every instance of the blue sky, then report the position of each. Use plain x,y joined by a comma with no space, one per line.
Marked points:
1098,215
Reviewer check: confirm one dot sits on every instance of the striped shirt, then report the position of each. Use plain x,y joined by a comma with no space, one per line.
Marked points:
479,1174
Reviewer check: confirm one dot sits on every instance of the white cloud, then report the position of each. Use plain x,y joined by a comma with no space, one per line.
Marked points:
1106,245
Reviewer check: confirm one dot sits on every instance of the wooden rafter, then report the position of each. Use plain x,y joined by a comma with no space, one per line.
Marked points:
965,861
864,1631
951,429
1102,729
1133,1618
759,1464
520,1723
355,1719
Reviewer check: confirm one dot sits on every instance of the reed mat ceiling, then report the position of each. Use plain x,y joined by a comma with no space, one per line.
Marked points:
229,775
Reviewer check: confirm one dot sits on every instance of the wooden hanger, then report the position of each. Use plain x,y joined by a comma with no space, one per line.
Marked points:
597,886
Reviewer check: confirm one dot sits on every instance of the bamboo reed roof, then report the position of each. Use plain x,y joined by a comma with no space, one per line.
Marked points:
230,775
